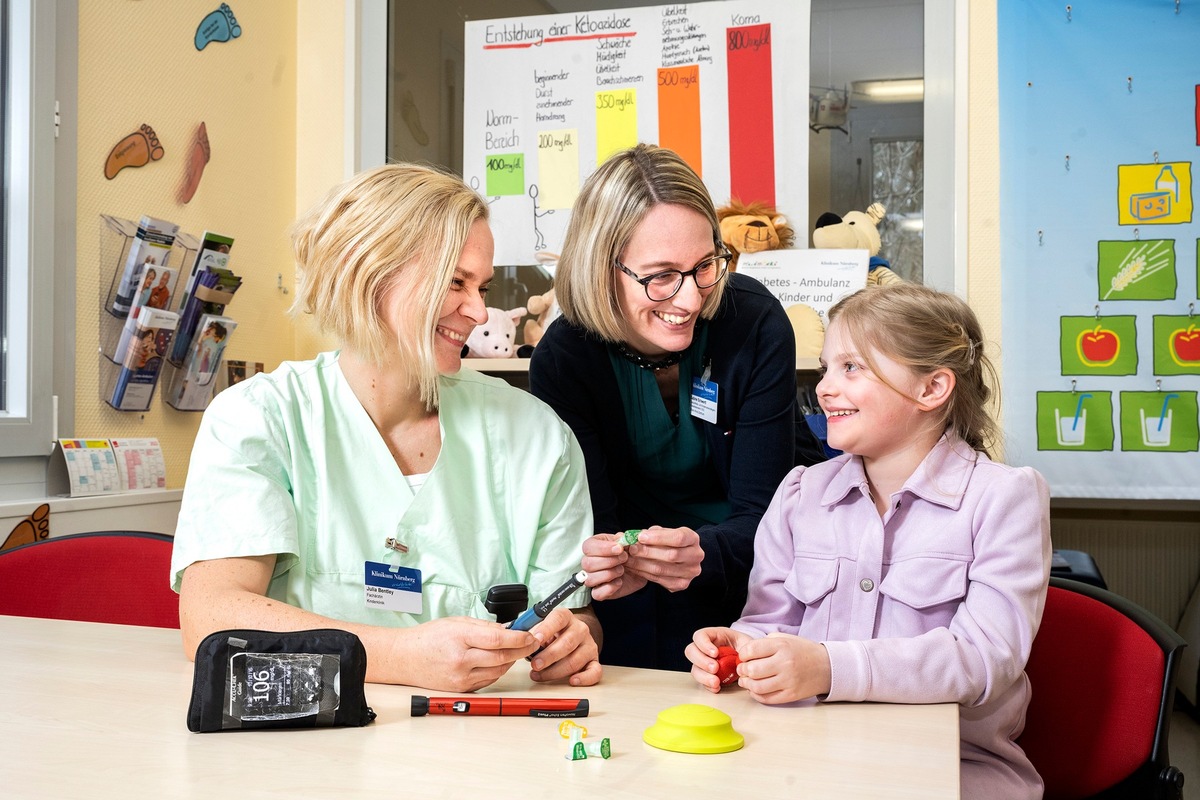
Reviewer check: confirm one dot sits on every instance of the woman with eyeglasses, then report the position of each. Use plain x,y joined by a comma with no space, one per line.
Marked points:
679,381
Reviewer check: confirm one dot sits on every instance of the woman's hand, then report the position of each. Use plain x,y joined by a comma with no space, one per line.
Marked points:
460,654
604,562
781,668
669,557
569,650
702,652
456,654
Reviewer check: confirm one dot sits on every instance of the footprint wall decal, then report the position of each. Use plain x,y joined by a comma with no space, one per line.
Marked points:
136,150
218,26
198,158
33,528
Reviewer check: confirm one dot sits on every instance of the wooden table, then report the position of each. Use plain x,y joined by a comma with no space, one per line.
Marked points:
90,710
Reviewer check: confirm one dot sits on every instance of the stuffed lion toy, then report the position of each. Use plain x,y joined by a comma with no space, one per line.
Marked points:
753,228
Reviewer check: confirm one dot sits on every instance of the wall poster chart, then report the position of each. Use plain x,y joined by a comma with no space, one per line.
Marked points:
1099,135
547,98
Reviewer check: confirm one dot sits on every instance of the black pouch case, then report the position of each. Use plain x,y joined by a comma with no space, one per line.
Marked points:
251,680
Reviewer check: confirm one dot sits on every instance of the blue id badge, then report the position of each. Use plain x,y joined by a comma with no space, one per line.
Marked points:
704,398
392,588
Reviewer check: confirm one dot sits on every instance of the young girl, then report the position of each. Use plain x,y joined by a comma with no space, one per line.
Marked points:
912,569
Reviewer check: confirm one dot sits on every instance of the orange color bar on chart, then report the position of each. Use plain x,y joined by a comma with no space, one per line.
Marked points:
679,113
751,114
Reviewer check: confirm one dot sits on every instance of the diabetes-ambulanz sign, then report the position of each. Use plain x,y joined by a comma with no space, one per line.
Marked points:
816,278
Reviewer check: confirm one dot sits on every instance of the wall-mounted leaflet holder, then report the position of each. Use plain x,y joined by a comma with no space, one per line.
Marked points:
136,316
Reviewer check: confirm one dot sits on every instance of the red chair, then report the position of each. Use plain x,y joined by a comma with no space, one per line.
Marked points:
114,576
1103,676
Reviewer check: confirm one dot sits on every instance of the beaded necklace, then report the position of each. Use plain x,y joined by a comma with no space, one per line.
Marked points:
670,360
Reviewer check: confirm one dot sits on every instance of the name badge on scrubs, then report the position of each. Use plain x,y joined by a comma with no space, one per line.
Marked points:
392,588
704,398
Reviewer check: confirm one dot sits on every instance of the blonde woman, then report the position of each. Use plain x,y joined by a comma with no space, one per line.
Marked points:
679,381
383,464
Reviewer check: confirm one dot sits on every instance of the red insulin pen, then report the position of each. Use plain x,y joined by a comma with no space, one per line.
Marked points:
499,706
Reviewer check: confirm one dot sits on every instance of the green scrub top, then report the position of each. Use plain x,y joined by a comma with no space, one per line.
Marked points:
289,463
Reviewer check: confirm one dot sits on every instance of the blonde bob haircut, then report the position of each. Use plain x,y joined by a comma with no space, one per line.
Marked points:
398,222
612,203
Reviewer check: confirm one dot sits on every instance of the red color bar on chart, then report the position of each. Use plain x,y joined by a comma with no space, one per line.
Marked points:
751,114
679,113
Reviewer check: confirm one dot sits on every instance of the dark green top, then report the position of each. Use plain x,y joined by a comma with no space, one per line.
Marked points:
677,485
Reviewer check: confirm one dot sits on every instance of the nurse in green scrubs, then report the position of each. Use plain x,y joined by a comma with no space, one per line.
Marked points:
379,488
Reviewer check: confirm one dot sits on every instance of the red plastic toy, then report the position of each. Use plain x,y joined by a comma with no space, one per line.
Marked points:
727,663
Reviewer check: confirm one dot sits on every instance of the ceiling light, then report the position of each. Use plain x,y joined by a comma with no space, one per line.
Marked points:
900,90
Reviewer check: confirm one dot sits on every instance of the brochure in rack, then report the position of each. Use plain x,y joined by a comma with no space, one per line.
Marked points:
214,289
146,339
213,252
151,247
193,385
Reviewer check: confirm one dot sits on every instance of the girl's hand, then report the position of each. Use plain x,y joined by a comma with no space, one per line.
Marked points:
669,557
782,668
569,650
604,561
702,652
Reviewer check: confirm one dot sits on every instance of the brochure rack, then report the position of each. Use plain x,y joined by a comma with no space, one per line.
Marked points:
117,238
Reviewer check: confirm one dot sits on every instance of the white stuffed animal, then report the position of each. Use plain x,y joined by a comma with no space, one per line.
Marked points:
496,337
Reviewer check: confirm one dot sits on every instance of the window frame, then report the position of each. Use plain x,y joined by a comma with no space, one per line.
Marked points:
27,423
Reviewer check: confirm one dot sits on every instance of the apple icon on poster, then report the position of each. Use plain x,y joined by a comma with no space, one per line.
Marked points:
1185,346
1098,347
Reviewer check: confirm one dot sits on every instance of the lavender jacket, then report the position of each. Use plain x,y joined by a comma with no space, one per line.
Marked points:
937,601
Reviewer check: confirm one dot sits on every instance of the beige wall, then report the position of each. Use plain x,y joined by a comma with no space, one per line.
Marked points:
983,173
271,101
320,131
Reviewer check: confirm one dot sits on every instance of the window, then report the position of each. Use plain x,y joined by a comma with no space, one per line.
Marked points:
27,216
896,38
3,204
897,181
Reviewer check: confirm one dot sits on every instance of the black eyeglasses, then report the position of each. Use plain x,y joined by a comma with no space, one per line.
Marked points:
666,284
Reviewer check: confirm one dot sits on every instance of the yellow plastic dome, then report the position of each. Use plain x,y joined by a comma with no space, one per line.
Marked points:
693,728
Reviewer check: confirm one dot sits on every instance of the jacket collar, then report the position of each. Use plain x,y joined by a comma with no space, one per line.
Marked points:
941,477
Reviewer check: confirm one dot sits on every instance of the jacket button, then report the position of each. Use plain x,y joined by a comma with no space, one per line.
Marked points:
866,584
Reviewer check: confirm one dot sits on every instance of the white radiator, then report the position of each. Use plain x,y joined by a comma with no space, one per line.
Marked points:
1152,558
